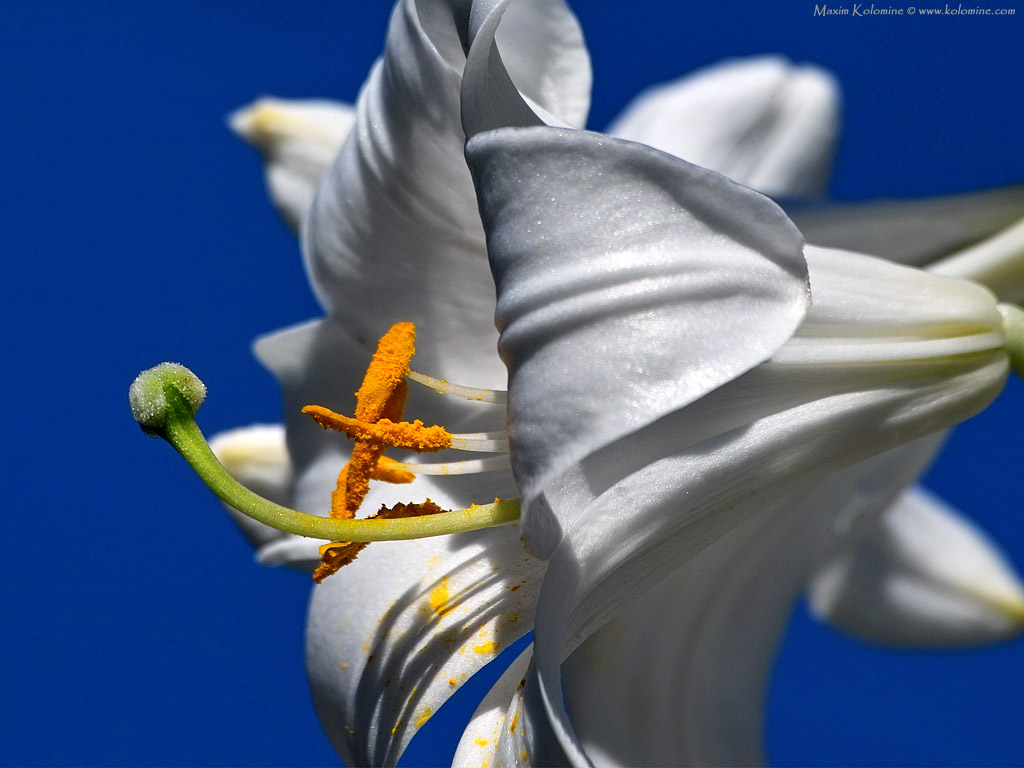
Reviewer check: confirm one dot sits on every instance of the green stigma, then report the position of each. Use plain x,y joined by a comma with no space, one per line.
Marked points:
148,394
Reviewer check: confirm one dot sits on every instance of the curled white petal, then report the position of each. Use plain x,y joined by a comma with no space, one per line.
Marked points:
763,122
494,735
396,214
656,498
997,262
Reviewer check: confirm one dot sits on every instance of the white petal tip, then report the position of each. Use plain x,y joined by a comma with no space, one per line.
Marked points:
269,121
244,449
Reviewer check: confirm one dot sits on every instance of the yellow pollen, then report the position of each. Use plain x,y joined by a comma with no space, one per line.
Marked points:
439,597
488,647
424,715
481,742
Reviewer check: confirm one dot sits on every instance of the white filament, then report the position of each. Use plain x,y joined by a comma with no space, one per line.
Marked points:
469,467
481,442
497,396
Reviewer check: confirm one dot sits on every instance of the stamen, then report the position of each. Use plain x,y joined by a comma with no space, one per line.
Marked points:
382,395
497,396
338,554
412,436
481,442
469,467
391,471
386,371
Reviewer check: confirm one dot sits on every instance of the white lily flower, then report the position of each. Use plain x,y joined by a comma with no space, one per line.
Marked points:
576,219
653,463
394,235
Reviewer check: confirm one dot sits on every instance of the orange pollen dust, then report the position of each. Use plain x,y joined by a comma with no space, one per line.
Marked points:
378,424
338,554
412,436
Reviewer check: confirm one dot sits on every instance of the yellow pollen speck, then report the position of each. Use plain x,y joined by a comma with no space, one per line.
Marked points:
439,598
452,681
488,647
515,720
424,715
344,666
481,742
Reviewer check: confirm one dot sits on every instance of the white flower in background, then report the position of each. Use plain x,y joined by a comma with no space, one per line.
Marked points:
394,235
298,140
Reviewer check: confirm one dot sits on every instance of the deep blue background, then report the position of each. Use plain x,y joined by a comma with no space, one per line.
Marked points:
136,630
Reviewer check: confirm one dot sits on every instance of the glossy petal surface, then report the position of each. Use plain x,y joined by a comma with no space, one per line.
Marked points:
629,284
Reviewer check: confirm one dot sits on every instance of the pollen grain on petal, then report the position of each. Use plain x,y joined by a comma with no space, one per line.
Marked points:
422,716
440,598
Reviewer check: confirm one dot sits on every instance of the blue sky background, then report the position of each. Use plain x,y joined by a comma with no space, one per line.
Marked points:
136,630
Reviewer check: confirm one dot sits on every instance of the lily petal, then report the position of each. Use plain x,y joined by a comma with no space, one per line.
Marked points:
693,656
913,232
924,576
396,218
763,122
601,244
494,735
407,625
386,638
298,140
